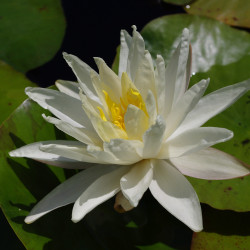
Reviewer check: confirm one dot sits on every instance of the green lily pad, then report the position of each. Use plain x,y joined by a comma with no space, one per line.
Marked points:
31,32
231,12
24,182
221,53
12,88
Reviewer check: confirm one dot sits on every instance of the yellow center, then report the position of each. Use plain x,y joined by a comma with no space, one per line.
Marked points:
117,111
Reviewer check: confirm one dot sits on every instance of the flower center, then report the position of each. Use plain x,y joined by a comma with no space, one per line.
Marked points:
117,111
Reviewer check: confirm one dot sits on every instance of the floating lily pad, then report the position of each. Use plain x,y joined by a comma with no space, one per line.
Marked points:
231,12
31,32
12,88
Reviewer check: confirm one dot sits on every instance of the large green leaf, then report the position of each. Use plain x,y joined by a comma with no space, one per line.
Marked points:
24,182
223,54
31,32
12,88
232,12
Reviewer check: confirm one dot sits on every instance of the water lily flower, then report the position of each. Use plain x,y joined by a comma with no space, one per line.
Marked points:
136,130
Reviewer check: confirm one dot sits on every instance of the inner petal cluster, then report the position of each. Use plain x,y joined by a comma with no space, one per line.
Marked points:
117,111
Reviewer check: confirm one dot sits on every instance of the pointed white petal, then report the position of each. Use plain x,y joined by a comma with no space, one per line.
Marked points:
82,72
81,134
184,106
144,77
68,88
194,140
136,52
151,108
135,183
67,192
211,164
71,149
136,122
175,75
61,105
33,151
126,40
128,151
213,104
153,138
172,190
160,84
105,187
110,79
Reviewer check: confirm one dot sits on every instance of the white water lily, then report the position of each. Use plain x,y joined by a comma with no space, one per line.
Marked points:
139,130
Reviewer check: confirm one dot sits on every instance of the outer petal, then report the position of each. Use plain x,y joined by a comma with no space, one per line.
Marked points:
82,72
105,187
151,108
136,181
69,88
68,191
121,203
184,106
61,105
153,138
71,149
172,190
212,104
81,134
125,150
136,52
176,73
126,40
194,140
211,164
34,152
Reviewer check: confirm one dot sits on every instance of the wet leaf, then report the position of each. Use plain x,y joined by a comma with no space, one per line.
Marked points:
231,12
178,2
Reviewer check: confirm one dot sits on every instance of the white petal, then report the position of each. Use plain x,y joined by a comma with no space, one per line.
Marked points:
126,40
152,138
144,77
68,88
194,140
151,108
176,73
135,183
121,203
82,72
184,106
136,122
172,190
71,149
105,187
110,79
61,105
211,164
136,52
81,134
33,151
67,192
101,155
212,104
160,84
128,151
